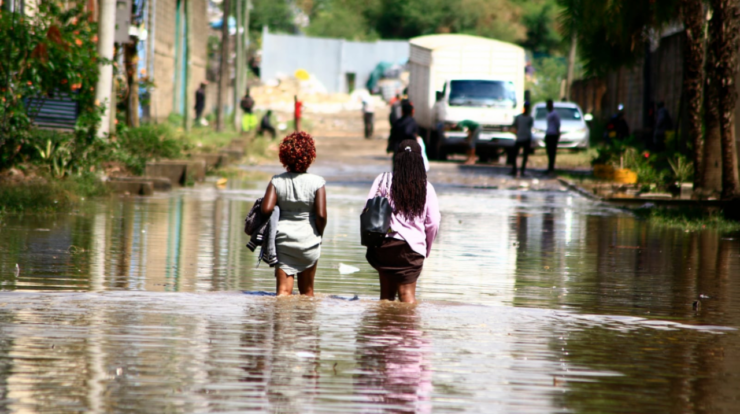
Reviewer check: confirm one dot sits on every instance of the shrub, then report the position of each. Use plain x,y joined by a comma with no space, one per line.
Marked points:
136,146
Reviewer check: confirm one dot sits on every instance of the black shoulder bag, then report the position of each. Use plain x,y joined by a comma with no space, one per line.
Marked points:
375,220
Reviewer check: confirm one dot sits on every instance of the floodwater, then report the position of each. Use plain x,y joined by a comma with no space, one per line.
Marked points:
532,302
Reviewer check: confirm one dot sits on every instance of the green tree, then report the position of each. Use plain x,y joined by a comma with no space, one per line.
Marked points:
540,20
51,53
278,15
548,74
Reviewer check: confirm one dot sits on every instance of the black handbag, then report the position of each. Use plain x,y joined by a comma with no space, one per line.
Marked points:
375,220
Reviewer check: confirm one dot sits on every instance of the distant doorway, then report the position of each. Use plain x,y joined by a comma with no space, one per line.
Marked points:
350,78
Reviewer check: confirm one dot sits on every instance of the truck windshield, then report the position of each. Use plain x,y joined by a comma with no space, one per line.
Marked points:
565,114
482,93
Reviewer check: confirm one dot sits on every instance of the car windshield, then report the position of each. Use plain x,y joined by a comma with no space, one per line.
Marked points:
482,93
565,114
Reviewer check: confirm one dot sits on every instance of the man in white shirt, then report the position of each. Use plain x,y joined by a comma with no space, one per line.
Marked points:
552,136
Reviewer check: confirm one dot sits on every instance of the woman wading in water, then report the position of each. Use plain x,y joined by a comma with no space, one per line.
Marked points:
414,224
302,200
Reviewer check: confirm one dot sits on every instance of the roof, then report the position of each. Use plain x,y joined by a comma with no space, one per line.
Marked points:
439,41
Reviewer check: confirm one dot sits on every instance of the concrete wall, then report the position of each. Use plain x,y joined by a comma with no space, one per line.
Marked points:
164,100
329,60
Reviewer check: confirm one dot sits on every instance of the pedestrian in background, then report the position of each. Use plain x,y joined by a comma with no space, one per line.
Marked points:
249,121
200,104
473,129
552,136
302,200
405,128
395,113
368,115
266,125
523,127
414,224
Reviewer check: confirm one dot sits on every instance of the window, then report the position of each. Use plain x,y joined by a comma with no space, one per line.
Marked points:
565,114
482,93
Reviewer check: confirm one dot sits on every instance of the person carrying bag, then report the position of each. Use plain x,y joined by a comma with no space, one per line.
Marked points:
397,247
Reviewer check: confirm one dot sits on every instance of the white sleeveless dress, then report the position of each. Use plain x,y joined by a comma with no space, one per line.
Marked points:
298,242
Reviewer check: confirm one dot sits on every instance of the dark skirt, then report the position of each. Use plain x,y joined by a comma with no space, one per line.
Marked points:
397,260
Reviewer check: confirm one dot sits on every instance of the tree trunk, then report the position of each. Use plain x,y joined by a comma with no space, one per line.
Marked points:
693,78
727,45
571,65
711,185
131,59
223,82
238,65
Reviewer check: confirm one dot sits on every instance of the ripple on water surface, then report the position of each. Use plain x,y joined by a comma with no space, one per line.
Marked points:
532,302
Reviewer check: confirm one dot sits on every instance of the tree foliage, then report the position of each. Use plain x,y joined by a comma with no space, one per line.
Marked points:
50,53
613,33
528,22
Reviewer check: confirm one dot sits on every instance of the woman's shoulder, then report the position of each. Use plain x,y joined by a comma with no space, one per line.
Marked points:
314,180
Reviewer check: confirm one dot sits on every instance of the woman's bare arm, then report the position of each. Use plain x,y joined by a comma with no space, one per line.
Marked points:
269,201
320,205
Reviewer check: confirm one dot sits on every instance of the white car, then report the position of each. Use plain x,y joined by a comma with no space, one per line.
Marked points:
574,132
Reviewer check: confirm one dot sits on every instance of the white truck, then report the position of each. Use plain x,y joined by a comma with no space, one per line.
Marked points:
479,79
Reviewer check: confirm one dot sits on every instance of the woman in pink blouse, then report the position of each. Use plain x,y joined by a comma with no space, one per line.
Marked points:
414,225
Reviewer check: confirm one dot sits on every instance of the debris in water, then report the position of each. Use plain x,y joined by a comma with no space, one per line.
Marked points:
347,269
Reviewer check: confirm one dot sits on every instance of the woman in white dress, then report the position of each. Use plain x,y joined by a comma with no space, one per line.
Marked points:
302,200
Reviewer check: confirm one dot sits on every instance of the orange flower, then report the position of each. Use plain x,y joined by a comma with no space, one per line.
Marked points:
64,81
78,42
76,32
95,39
30,83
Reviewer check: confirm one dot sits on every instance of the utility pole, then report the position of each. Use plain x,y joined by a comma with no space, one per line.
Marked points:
104,87
245,41
239,62
223,83
188,118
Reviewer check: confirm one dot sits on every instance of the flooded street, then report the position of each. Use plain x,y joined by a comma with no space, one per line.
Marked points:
531,302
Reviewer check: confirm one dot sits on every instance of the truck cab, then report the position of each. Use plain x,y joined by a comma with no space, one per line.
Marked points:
492,103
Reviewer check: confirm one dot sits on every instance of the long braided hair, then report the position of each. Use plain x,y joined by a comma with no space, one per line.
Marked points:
409,186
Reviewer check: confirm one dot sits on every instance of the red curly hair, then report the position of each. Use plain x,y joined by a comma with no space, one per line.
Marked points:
297,152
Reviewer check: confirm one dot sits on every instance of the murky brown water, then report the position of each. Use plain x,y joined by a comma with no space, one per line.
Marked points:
531,303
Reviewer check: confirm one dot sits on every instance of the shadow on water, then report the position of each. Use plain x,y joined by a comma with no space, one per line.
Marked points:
532,302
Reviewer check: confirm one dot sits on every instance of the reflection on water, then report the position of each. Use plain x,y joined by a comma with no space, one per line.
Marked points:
531,302
394,358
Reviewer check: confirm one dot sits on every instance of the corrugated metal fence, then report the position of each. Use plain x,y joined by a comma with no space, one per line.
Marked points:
329,60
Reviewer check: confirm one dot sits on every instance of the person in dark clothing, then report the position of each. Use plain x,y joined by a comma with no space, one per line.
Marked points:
404,128
663,123
395,114
200,102
552,136
266,125
523,124
247,103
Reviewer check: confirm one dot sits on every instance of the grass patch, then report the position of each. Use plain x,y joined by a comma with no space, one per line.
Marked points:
45,195
688,218
136,146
